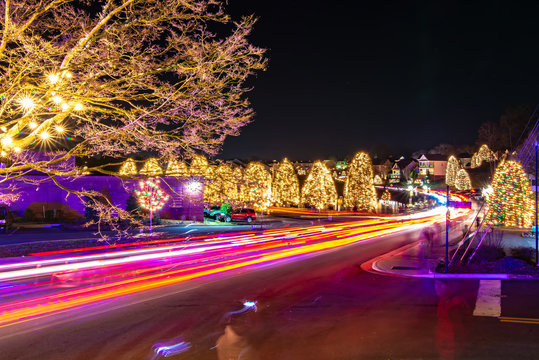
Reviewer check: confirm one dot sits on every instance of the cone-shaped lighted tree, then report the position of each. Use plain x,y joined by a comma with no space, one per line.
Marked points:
319,188
285,190
224,186
256,186
451,171
176,168
201,167
129,168
110,78
151,168
386,196
359,189
463,181
483,154
511,202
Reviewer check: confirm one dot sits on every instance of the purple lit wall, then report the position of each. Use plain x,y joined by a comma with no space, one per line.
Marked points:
185,202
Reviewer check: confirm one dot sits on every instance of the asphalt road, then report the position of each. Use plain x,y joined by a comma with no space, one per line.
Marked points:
21,235
315,306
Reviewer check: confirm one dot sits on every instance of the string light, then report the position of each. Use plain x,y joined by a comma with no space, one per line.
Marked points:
359,191
151,167
319,188
44,135
285,188
6,141
483,154
150,196
386,196
451,171
511,200
129,168
78,107
463,181
32,125
27,102
57,99
176,168
59,129
53,78
256,186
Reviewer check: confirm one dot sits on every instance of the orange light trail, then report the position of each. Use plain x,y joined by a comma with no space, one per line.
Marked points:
154,267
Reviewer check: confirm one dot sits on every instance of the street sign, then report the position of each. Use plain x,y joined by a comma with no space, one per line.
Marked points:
460,204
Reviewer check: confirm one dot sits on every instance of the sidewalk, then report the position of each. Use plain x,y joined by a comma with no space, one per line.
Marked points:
414,260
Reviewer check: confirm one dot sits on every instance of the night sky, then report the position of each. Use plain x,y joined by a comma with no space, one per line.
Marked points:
402,75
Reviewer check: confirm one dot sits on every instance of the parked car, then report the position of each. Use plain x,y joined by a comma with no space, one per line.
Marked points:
242,214
5,218
212,212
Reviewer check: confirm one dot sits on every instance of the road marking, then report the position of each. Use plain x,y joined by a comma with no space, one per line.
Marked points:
519,320
488,301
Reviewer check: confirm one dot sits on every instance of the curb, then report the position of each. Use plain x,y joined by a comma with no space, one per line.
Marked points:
372,267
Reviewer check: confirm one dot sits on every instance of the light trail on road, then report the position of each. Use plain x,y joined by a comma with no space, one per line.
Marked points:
37,288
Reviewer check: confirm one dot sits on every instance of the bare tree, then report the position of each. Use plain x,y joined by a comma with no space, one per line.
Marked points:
118,77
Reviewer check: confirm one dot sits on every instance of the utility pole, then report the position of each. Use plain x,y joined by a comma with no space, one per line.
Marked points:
536,200
447,225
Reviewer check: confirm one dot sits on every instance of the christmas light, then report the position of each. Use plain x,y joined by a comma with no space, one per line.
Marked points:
59,129
463,181
57,99
53,78
386,196
151,197
129,168
27,102
483,154
176,168
285,188
78,107
151,167
359,192
224,186
32,125
256,186
511,201
319,188
451,171
6,141
44,135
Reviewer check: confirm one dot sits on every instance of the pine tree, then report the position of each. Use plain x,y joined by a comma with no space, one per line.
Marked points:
359,189
256,186
483,154
386,196
224,186
151,168
176,168
463,181
319,188
129,168
451,171
511,202
200,167
285,190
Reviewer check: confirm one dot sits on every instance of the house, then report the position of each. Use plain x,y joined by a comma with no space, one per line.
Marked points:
432,167
382,168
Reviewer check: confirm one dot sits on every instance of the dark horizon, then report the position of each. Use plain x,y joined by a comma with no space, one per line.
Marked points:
399,76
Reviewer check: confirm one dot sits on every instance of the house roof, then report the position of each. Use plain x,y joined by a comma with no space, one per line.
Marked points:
435,157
